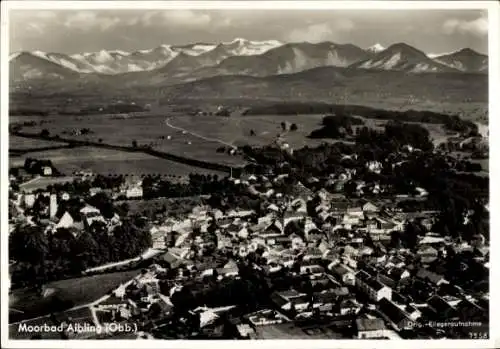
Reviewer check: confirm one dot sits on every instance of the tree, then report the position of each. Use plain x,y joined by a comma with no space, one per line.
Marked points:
252,133
283,126
410,235
45,133
293,127
134,143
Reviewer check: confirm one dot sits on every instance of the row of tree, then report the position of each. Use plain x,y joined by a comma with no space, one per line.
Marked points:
44,256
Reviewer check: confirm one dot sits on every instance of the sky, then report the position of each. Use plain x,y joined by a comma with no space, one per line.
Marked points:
75,31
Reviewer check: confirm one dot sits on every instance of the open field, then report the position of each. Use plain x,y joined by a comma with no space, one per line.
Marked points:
236,129
177,132
107,161
21,143
43,182
68,293
145,130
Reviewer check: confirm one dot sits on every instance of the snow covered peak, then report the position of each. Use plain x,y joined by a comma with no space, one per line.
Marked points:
244,47
14,55
40,54
376,48
240,41
103,56
120,52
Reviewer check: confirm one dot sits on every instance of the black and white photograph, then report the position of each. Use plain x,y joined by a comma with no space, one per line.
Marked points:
246,172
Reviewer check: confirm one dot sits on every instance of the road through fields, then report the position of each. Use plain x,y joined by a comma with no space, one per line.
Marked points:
167,122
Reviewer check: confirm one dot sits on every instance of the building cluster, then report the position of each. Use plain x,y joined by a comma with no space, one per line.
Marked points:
330,262
342,249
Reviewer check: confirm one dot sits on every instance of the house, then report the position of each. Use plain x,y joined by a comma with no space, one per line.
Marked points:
395,316
442,309
345,274
299,304
369,207
47,171
244,330
351,251
287,300
412,312
427,254
431,240
431,277
173,259
372,287
66,221
229,269
283,241
472,311
29,200
324,301
91,214
135,192
94,190
265,317
397,273
312,253
348,306
291,216
323,246
275,227
370,328
386,280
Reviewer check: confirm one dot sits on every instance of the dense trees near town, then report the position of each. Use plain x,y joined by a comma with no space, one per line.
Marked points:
44,256
450,122
35,166
464,127
396,135
336,126
155,186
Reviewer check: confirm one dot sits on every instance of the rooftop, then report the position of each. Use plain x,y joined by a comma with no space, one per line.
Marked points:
370,324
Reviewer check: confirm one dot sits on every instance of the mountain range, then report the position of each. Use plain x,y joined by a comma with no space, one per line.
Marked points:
172,64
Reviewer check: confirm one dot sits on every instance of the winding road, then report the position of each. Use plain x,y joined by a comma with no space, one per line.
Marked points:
167,122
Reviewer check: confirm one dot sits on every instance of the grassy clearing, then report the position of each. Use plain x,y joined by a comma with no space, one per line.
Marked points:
89,288
66,294
146,130
110,162
21,143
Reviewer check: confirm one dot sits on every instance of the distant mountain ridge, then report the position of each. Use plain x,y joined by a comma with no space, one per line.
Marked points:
465,60
403,57
181,63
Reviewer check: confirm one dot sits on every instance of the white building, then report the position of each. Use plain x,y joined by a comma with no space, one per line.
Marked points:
53,205
47,171
29,200
134,192
371,328
66,221
373,288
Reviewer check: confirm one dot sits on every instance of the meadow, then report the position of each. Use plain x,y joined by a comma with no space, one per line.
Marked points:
176,132
145,130
21,143
66,293
110,162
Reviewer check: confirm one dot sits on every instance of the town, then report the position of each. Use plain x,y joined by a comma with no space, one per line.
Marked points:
253,171
352,250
